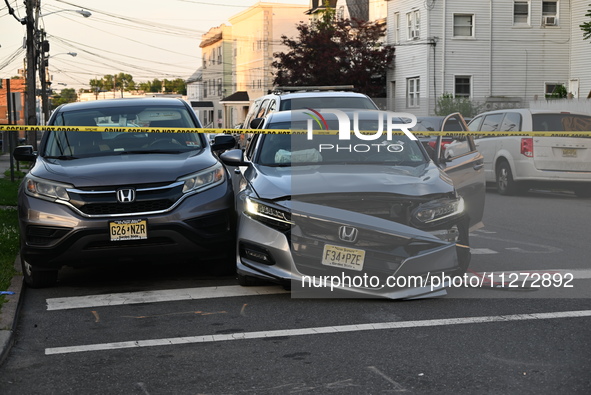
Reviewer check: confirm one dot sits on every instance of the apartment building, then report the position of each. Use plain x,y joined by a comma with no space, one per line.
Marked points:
501,53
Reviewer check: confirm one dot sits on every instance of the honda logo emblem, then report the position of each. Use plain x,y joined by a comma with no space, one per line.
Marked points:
125,195
348,234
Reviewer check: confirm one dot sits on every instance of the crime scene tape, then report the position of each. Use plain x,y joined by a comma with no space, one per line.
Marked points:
12,128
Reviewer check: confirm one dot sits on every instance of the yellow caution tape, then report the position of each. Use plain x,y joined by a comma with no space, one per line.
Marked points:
12,128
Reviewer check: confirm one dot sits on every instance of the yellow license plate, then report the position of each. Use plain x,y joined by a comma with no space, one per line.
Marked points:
569,152
346,258
129,229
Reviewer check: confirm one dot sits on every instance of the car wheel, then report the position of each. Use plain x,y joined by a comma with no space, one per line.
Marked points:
583,191
505,183
35,278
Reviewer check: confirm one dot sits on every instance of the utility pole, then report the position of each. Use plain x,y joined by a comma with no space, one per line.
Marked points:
45,84
32,8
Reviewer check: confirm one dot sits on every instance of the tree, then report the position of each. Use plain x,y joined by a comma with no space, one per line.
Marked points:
97,86
67,95
586,27
331,51
177,85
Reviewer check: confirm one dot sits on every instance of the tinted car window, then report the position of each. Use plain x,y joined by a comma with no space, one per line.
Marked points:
561,122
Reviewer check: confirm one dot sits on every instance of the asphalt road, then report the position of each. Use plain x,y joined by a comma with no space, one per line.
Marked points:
171,329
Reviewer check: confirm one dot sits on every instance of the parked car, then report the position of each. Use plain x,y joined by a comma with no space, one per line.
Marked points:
518,163
96,197
294,98
383,202
451,123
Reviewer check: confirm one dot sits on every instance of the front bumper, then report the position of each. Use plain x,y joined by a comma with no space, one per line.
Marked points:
269,254
53,235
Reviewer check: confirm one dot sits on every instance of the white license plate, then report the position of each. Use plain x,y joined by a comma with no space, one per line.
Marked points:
129,229
346,258
569,152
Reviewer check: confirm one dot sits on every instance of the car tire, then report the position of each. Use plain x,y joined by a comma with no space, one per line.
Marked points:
505,183
35,278
583,191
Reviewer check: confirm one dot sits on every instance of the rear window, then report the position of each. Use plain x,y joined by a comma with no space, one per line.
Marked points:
561,123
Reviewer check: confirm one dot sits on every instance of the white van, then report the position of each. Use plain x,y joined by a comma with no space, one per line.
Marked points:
517,163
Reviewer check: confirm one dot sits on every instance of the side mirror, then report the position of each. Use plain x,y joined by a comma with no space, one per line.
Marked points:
234,158
257,123
222,143
24,153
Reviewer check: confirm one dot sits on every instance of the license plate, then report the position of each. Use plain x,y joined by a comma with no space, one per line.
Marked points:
346,258
569,152
128,229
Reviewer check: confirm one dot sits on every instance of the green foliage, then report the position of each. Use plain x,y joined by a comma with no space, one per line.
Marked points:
8,190
9,245
332,51
448,104
67,95
586,26
559,92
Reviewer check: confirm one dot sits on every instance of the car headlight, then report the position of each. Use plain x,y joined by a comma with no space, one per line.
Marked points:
205,179
439,209
46,189
267,214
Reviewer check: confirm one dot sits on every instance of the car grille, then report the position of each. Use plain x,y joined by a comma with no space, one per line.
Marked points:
387,206
148,199
384,252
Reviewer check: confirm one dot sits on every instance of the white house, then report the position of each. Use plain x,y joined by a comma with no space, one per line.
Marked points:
501,53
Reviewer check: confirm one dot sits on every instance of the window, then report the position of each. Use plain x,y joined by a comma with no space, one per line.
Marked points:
396,28
204,61
204,88
555,90
219,55
413,22
511,122
413,92
549,13
521,12
463,25
219,86
492,122
462,86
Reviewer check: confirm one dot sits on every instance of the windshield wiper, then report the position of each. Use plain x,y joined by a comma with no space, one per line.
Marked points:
62,157
147,152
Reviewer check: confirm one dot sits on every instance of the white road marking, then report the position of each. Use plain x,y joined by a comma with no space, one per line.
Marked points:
314,331
169,295
482,251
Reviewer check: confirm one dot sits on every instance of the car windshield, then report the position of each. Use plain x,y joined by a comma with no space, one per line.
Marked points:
295,149
75,144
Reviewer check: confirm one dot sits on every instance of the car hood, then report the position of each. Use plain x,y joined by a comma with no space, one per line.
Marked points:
122,169
280,182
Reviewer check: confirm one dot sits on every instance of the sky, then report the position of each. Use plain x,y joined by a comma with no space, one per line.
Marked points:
145,38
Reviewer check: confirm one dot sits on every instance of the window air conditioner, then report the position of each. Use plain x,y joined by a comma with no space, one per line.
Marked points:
549,21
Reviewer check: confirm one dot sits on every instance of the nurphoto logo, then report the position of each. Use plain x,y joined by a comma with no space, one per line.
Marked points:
392,120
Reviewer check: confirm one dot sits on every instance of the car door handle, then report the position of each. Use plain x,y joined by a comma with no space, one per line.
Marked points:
478,166
237,171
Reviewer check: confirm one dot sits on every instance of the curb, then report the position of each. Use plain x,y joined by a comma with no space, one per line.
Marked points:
10,311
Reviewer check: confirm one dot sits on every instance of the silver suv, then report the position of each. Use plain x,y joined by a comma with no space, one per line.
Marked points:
297,98
99,197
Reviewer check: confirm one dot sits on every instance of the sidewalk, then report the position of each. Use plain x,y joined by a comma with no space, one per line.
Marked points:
9,312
